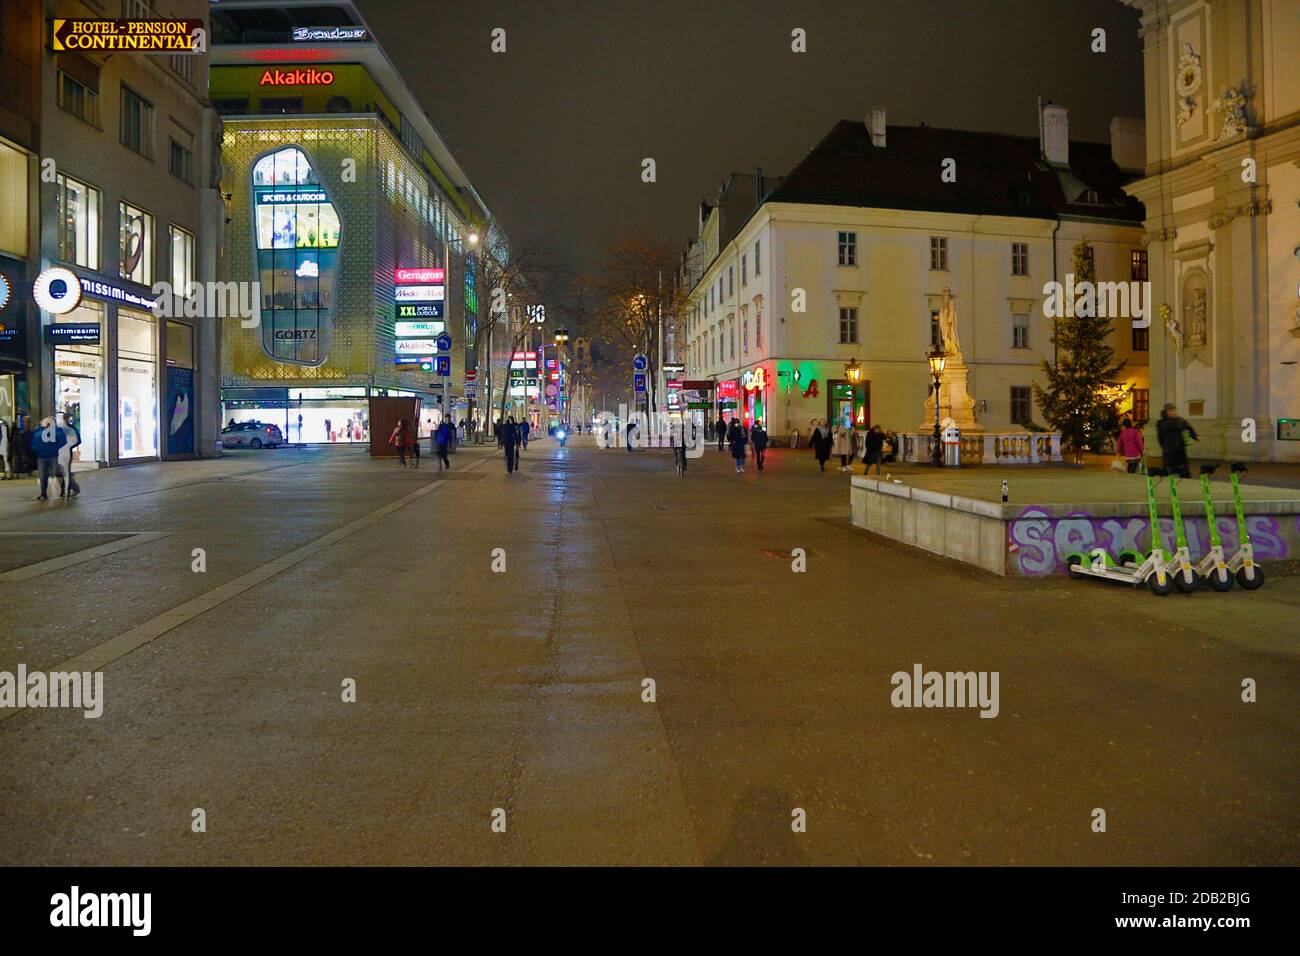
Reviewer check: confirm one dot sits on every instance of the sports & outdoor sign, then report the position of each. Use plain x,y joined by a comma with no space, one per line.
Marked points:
57,290
420,310
134,36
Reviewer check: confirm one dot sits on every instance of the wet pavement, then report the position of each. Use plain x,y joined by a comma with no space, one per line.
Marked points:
517,695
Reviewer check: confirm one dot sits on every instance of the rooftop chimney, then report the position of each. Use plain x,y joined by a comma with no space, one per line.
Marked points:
876,125
1054,134
1128,143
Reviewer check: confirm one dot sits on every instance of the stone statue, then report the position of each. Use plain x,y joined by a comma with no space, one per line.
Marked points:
948,324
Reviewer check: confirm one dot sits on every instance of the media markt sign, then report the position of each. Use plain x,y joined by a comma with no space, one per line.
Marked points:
135,36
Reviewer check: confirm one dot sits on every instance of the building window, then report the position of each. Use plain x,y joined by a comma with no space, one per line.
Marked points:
1022,404
77,214
1141,340
848,249
744,270
78,99
758,257
731,280
138,9
1020,331
137,384
848,325
137,123
744,335
939,253
936,337
282,104
180,161
1020,258
731,328
136,244
1141,405
182,65
182,252
758,329
1138,265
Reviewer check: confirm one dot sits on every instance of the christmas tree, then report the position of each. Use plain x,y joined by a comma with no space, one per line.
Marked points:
1075,402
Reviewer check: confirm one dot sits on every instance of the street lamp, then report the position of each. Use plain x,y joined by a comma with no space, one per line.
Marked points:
853,371
473,238
937,361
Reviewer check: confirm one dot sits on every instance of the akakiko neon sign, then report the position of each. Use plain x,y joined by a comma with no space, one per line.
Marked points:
305,77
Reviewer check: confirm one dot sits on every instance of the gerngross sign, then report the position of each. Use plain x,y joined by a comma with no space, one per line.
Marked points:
139,36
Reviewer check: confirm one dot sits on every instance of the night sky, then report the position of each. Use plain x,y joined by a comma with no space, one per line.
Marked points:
553,131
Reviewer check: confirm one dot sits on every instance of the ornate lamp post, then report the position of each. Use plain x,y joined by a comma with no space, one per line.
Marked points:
937,361
853,371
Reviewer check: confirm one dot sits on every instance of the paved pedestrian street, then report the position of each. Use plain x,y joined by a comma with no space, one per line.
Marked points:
500,630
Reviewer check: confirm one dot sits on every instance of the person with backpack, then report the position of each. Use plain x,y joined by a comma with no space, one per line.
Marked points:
1175,434
400,439
758,438
46,442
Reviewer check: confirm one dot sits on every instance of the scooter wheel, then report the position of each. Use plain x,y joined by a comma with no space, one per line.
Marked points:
1185,585
1130,557
1072,562
1155,587
1220,579
1252,582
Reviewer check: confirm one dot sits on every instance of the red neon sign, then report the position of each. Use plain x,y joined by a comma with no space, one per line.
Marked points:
434,276
310,76
727,389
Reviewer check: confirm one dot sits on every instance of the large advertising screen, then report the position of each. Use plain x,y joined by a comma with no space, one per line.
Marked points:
297,237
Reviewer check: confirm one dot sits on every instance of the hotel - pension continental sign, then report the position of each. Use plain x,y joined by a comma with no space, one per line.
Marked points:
140,36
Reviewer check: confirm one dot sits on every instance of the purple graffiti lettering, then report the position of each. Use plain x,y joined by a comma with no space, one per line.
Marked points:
1031,535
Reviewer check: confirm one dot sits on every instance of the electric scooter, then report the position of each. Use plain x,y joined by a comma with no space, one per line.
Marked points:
1179,562
1242,564
1132,567
1213,568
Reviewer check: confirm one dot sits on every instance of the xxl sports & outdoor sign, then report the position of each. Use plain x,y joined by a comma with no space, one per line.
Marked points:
138,36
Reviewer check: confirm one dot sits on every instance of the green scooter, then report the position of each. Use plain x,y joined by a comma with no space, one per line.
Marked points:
1179,562
1242,564
1213,568
1132,567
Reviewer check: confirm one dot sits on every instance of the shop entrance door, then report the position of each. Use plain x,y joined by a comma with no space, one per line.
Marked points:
79,398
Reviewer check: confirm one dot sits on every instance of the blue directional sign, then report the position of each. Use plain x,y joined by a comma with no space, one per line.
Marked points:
444,365
640,363
638,381
444,342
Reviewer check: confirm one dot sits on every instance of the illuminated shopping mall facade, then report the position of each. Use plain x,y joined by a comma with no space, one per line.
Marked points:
346,207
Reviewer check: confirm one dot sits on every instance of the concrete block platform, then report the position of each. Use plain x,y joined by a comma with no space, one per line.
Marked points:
961,515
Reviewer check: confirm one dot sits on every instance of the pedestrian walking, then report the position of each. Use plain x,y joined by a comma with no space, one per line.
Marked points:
758,438
821,443
737,440
68,487
441,437
524,428
8,450
842,442
46,442
496,432
873,448
720,431
1175,434
631,427
1130,446
400,439
509,438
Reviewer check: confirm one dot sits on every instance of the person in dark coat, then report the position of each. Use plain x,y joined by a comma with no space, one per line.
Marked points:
400,439
720,430
441,439
1170,431
509,437
524,429
874,445
821,443
758,438
737,439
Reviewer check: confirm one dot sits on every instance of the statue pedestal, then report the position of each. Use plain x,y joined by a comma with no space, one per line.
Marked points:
955,401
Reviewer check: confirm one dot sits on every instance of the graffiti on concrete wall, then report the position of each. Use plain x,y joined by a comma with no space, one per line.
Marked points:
1038,543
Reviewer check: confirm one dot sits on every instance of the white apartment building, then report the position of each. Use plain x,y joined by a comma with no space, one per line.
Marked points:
847,259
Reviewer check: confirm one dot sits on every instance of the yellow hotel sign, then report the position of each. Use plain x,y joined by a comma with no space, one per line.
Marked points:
143,36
